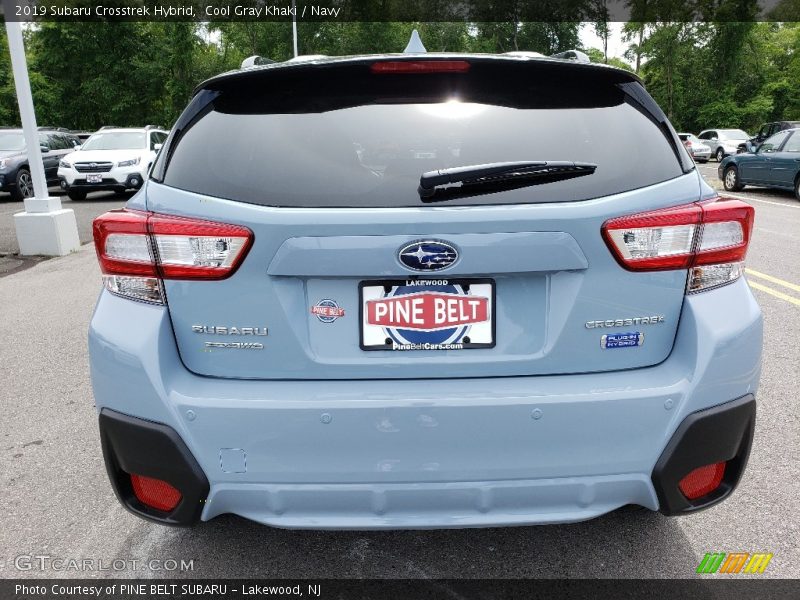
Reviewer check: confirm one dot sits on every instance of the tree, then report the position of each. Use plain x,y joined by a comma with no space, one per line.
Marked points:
9,112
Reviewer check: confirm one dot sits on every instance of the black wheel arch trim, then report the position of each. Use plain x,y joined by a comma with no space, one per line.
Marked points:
134,445
716,434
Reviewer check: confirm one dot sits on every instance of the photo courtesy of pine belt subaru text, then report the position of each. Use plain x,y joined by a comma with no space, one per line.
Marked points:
423,291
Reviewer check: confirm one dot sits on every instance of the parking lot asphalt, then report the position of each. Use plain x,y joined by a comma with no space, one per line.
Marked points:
55,499
85,212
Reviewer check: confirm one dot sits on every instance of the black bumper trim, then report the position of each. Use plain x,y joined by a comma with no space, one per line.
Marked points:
133,445
716,434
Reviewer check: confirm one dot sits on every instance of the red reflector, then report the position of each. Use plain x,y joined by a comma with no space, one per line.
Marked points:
421,66
155,493
702,481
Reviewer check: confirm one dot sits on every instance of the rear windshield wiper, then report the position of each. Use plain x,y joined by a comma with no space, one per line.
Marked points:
473,180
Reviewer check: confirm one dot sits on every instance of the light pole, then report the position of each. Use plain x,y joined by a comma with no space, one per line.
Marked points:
44,227
294,26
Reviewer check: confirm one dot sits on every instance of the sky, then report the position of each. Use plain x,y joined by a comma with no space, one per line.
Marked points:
616,47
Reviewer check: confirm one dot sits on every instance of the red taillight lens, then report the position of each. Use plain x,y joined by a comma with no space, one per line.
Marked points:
420,66
122,243
137,249
702,233
702,481
155,493
727,225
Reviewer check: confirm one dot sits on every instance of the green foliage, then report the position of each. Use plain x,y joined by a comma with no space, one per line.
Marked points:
724,73
8,100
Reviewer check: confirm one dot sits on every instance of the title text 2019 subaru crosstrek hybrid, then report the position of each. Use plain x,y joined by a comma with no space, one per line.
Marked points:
414,291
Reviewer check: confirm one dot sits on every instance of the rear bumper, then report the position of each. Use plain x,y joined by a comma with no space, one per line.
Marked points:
433,453
133,445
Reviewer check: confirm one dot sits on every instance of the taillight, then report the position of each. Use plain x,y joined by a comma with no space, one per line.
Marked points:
709,238
155,493
702,481
420,66
137,250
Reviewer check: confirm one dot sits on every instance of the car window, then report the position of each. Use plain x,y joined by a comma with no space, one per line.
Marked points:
732,134
772,144
156,137
59,142
793,145
116,140
12,140
376,153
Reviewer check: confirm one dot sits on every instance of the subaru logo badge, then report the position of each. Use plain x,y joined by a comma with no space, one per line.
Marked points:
427,255
93,165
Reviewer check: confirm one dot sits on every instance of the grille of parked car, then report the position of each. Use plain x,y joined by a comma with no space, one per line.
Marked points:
93,167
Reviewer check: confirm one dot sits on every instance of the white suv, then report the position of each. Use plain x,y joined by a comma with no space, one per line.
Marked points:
114,158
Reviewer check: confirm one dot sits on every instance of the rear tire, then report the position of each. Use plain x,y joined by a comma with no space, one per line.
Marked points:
702,161
24,187
797,188
730,180
720,154
76,195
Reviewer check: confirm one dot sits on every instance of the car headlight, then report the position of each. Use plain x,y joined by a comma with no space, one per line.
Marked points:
62,164
129,163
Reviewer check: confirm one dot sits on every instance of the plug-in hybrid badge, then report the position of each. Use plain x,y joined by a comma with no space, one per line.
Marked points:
427,255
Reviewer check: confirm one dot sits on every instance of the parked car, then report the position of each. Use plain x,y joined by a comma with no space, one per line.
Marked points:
82,135
766,130
117,159
15,172
403,296
697,149
775,163
723,141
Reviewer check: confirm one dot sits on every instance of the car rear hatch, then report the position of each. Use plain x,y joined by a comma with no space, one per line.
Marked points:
354,272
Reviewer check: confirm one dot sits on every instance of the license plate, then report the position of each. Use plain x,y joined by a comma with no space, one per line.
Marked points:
94,178
427,314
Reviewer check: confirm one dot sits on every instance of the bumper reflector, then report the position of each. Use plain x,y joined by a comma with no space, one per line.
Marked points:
155,493
702,481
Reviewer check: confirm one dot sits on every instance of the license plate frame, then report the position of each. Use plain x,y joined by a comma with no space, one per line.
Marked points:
94,178
487,290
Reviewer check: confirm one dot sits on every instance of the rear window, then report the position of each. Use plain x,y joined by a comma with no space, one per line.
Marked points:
369,147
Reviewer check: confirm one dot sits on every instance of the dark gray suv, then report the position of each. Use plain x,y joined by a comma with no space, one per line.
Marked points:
15,173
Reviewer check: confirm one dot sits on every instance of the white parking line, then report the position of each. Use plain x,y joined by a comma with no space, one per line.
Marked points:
741,197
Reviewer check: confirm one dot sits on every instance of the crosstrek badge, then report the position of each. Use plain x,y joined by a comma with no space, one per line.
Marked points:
428,311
